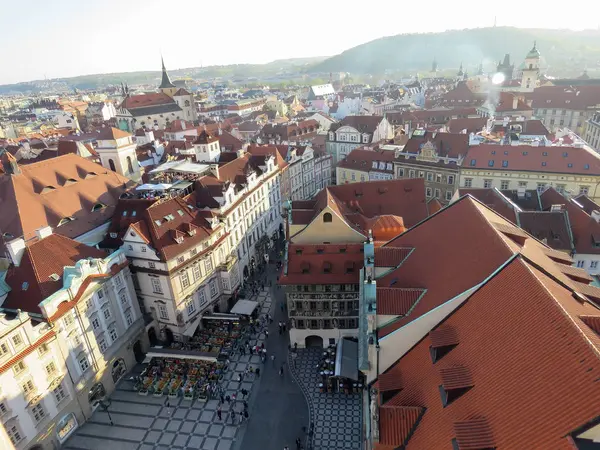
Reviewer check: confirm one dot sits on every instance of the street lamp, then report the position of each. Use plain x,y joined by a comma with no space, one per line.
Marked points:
105,403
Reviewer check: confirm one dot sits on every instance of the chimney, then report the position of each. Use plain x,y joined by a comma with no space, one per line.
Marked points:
16,248
43,232
214,169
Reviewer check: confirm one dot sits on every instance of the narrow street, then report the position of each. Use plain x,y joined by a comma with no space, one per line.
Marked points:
278,408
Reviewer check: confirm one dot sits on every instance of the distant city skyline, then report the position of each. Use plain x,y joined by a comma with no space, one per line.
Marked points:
57,39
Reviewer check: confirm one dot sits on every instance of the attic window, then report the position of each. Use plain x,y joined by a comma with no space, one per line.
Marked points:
71,181
504,163
113,235
473,162
48,189
565,154
8,235
349,267
326,267
506,153
65,220
544,153
543,163
525,153
25,286
98,206
586,166
342,250
456,381
125,213
54,277
569,165
298,251
305,267
180,212
158,222
320,250
443,340
179,239
327,217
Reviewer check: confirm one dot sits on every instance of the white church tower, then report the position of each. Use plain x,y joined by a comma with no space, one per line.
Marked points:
117,153
531,70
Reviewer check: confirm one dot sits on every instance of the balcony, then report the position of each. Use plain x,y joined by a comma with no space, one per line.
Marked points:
228,264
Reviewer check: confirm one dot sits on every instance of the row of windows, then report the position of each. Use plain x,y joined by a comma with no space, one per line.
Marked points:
506,185
429,176
437,193
593,264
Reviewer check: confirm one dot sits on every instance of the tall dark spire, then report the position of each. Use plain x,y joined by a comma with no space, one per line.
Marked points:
166,81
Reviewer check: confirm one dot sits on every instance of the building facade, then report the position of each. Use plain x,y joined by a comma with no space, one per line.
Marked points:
592,131
365,165
117,153
61,357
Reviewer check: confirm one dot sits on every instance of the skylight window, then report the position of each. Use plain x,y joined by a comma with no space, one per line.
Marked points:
504,163
491,163
586,166
569,165
543,163
157,222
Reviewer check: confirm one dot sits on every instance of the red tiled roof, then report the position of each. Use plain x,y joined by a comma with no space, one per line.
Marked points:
173,215
397,302
493,199
457,233
141,101
456,377
43,194
309,266
399,423
360,159
576,98
535,159
390,256
31,281
443,336
472,125
358,202
506,103
446,144
588,205
364,124
583,227
509,345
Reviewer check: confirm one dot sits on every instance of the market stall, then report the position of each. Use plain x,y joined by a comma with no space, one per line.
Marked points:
174,377
244,307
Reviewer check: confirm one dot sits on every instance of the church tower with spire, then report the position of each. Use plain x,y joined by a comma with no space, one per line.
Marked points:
531,70
166,86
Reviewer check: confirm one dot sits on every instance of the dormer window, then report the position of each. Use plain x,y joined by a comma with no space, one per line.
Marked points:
443,340
305,267
327,217
113,235
456,381
326,267
65,220
98,206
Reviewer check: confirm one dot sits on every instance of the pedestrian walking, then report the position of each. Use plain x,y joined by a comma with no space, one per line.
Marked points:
222,398
284,326
233,398
167,404
273,360
280,327
228,398
241,416
245,405
257,372
232,414
281,371
244,394
281,306
239,377
295,346
246,414
219,413
267,334
298,444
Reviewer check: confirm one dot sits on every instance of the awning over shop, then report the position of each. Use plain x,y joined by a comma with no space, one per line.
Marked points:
160,352
346,359
191,329
244,307
222,317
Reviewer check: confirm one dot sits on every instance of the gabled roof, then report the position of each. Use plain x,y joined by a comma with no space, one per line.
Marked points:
362,160
446,144
165,221
364,124
64,187
111,134
359,203
40,272
587,203
507,345
145,100
472,124
127,212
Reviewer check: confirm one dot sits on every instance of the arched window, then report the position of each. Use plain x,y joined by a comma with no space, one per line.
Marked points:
65,220
98,206
327,218
187,103
111,163
129,164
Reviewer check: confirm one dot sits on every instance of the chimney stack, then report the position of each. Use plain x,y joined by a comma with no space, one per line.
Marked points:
43,232
16,248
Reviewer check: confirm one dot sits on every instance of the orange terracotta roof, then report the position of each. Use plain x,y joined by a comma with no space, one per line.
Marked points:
140,101
31,281
506,346
571,160
46,192
30,349
323,264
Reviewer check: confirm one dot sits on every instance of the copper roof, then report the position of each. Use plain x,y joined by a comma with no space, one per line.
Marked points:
32,281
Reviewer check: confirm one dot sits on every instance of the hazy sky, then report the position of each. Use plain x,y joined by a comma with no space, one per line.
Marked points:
61,38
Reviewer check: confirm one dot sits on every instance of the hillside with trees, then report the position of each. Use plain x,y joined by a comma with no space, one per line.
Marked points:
562,50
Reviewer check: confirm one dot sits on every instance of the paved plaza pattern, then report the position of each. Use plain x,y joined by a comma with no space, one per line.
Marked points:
336,417
147,423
